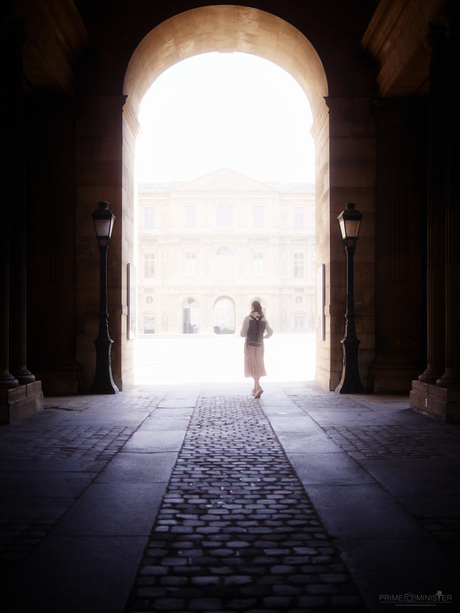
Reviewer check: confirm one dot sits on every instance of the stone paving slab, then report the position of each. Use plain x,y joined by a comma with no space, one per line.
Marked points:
139,468
68,574
154,441
413,461
109,509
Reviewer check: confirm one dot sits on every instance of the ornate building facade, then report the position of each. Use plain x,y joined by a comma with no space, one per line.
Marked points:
208,247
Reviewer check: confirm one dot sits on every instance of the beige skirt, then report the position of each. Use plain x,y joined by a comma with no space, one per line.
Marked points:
254,361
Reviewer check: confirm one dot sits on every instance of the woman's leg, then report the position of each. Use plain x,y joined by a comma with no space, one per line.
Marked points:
257,387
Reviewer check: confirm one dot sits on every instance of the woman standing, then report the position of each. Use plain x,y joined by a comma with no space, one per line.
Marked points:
255,329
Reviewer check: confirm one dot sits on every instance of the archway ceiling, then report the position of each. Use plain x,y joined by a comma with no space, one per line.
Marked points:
225,29
59,36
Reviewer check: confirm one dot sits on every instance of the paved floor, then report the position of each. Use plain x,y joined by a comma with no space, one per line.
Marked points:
199,498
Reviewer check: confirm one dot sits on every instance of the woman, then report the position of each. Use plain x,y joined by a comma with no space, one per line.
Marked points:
255,329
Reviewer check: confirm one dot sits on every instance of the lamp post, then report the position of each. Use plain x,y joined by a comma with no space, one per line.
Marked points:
103,382
349,222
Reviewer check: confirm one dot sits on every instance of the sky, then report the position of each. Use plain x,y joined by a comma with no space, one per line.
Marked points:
230,110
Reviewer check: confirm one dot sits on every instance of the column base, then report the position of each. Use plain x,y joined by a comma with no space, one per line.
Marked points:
436,401
20,402
60,380
392,380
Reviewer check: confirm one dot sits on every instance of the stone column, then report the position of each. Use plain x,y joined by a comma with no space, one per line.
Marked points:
7,381
12,91
436,46
16,401
398,282
451,377
17,221
441,396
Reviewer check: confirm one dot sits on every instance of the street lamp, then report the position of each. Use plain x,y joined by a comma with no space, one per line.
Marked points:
349,222
103,382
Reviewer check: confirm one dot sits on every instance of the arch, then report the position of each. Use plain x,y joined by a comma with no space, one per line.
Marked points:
224,315
249,30
243,29
226,29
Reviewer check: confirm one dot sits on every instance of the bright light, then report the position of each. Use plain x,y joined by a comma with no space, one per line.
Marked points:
235,110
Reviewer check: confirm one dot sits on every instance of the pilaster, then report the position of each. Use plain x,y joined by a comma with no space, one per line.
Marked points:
52,260
352,153
398,271
99,177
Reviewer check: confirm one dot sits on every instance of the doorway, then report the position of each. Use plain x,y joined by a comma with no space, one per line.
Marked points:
190,317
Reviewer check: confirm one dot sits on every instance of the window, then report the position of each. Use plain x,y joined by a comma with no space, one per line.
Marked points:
224,215
224,264
298,217
149,265
149,299
149,217
190,216
258,264
258,216
190,265
299,266
224,316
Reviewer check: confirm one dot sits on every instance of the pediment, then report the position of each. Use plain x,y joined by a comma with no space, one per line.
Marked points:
224,180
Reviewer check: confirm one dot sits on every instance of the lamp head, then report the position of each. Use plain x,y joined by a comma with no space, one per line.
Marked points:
350,222
103,222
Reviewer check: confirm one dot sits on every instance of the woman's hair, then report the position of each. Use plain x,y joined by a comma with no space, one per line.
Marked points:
256,306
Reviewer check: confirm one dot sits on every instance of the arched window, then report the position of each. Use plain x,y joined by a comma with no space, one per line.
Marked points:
224,264
224,316
224,215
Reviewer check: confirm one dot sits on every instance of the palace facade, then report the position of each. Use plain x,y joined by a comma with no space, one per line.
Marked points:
208,247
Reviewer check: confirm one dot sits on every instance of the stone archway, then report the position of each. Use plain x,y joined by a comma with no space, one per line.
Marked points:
344,134
227,29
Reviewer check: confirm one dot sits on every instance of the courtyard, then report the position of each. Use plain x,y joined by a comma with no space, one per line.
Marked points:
219,358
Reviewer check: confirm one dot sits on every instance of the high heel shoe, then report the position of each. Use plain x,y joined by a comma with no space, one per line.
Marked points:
259,393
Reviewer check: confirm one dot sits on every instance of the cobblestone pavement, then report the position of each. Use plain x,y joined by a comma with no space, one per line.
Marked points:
376,442
69,442
236,530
